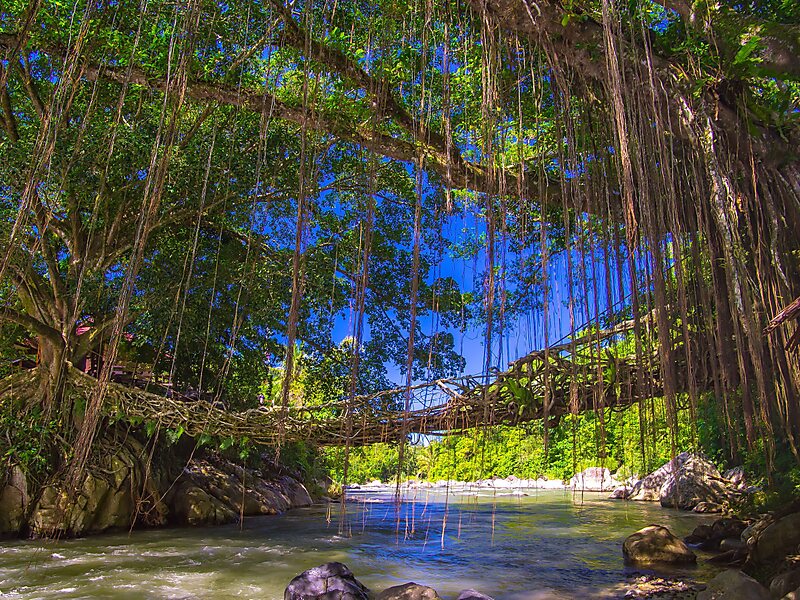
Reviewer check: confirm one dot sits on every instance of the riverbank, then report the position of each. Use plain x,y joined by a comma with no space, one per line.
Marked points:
687,482
509,483
129,484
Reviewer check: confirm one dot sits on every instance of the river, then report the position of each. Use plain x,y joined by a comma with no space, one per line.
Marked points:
544,545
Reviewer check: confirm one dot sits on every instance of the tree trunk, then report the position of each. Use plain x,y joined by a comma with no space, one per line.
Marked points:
52,369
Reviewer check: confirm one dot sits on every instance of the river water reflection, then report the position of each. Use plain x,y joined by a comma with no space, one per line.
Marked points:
547,544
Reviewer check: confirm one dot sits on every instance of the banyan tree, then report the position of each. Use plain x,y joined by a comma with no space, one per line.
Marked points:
652,146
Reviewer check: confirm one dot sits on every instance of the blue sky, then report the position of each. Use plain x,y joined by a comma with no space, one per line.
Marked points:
526,332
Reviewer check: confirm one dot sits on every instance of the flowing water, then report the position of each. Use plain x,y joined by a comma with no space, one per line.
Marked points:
544,545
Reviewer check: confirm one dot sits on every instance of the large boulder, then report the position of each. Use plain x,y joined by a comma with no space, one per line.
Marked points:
593,479
192,505
648,489
331,581
409,591
689,482
736,477
656,544
297,493
14,501
96,507
776,540
733,585
695,481
115,494
784,583
708,508
622,492
217,491
543,483
124,486
751,534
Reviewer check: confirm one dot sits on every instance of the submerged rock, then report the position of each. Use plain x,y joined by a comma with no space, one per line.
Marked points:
472,595
651,586
733,585
409,591
331,581
656,544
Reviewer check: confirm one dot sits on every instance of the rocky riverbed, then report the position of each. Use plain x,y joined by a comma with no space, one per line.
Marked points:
688,482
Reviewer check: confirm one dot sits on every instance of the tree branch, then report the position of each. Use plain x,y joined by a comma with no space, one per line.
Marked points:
441,155
30,88
31,289
31,324
89,340
6,112
57,285
451,168
780,43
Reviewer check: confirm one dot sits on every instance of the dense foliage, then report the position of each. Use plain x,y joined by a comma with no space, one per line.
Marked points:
302,203
574,445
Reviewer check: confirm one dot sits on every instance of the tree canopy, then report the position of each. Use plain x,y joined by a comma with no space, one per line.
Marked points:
211,184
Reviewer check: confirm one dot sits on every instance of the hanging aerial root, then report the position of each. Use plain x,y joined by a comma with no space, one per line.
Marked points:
789,313
446,406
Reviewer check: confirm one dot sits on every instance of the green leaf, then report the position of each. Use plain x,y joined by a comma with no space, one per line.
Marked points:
746,51
173,435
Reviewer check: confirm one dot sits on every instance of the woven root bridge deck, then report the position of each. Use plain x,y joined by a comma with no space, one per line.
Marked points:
581,375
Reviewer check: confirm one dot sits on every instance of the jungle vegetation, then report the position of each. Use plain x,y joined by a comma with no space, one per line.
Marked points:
310,201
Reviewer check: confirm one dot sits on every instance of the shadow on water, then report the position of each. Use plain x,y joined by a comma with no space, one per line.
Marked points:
543,545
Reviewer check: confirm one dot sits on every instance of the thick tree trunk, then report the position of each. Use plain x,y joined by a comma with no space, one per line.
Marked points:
52,370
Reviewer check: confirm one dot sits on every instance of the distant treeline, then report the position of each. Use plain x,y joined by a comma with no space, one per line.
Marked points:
634,441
